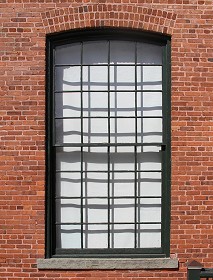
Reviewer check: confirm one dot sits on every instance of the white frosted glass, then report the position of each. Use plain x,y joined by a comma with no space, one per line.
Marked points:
123,210
95,184
149,210
122,158
68,131
95,52
149,161
122,104
68,54
122,52
122,130
95,78
68,184
95,104
149,184
95,210
68,159
122,236
122,184
149,54
122,77
95,130
95,158
95,236
150,236
150,104
68,104
67,78
68,237
149,77
150,130
68,210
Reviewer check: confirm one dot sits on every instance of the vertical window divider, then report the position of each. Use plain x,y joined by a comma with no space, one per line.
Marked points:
135,149
108,147
82,140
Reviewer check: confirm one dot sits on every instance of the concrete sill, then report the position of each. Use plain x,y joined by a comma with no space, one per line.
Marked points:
106,263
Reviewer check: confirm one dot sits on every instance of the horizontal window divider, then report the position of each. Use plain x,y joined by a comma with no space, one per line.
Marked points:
109,117
106,171
106,65
110,223
106,197
113,90
109,144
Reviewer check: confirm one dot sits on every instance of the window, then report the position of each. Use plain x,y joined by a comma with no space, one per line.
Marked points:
108,144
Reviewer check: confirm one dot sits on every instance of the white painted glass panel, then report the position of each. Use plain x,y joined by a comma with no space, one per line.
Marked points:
68,131
95,104
122,158
68,184
122,77
122,104
149,54
68,210
122,52
150,130
95,52
95,184
95,236
149,160
68,104
68,237
149,210
95,210
68,159
149,236
149,77
68,54
67,78
122,236
122,184
122,130
95,158
122,210
95,78
95,130
149,184
149,104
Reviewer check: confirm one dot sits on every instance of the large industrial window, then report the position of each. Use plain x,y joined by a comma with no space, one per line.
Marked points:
108,167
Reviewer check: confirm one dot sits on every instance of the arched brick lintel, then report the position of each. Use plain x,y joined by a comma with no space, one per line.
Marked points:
109,15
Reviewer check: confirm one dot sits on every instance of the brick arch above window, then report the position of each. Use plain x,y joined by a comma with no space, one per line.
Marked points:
109,15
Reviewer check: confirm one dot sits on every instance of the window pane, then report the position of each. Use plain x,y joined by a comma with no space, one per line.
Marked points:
122,52
68,54
68,104
95,104
68,210
149,160
68,78
68,131
68,159
95,210
122,77
95,78
149,184
95,158
95,52
122,158
149,77
149,210
122,184
95,130
122,104
95,184
149,236
150,130
122,210
149,54
68,237
95,236
122,130
68,184
122,236
149,104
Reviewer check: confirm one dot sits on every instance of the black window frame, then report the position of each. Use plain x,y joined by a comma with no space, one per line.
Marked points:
58,39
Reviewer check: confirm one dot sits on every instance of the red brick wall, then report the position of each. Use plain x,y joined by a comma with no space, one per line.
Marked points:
23,26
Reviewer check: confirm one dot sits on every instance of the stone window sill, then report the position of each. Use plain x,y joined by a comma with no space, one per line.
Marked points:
107,263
